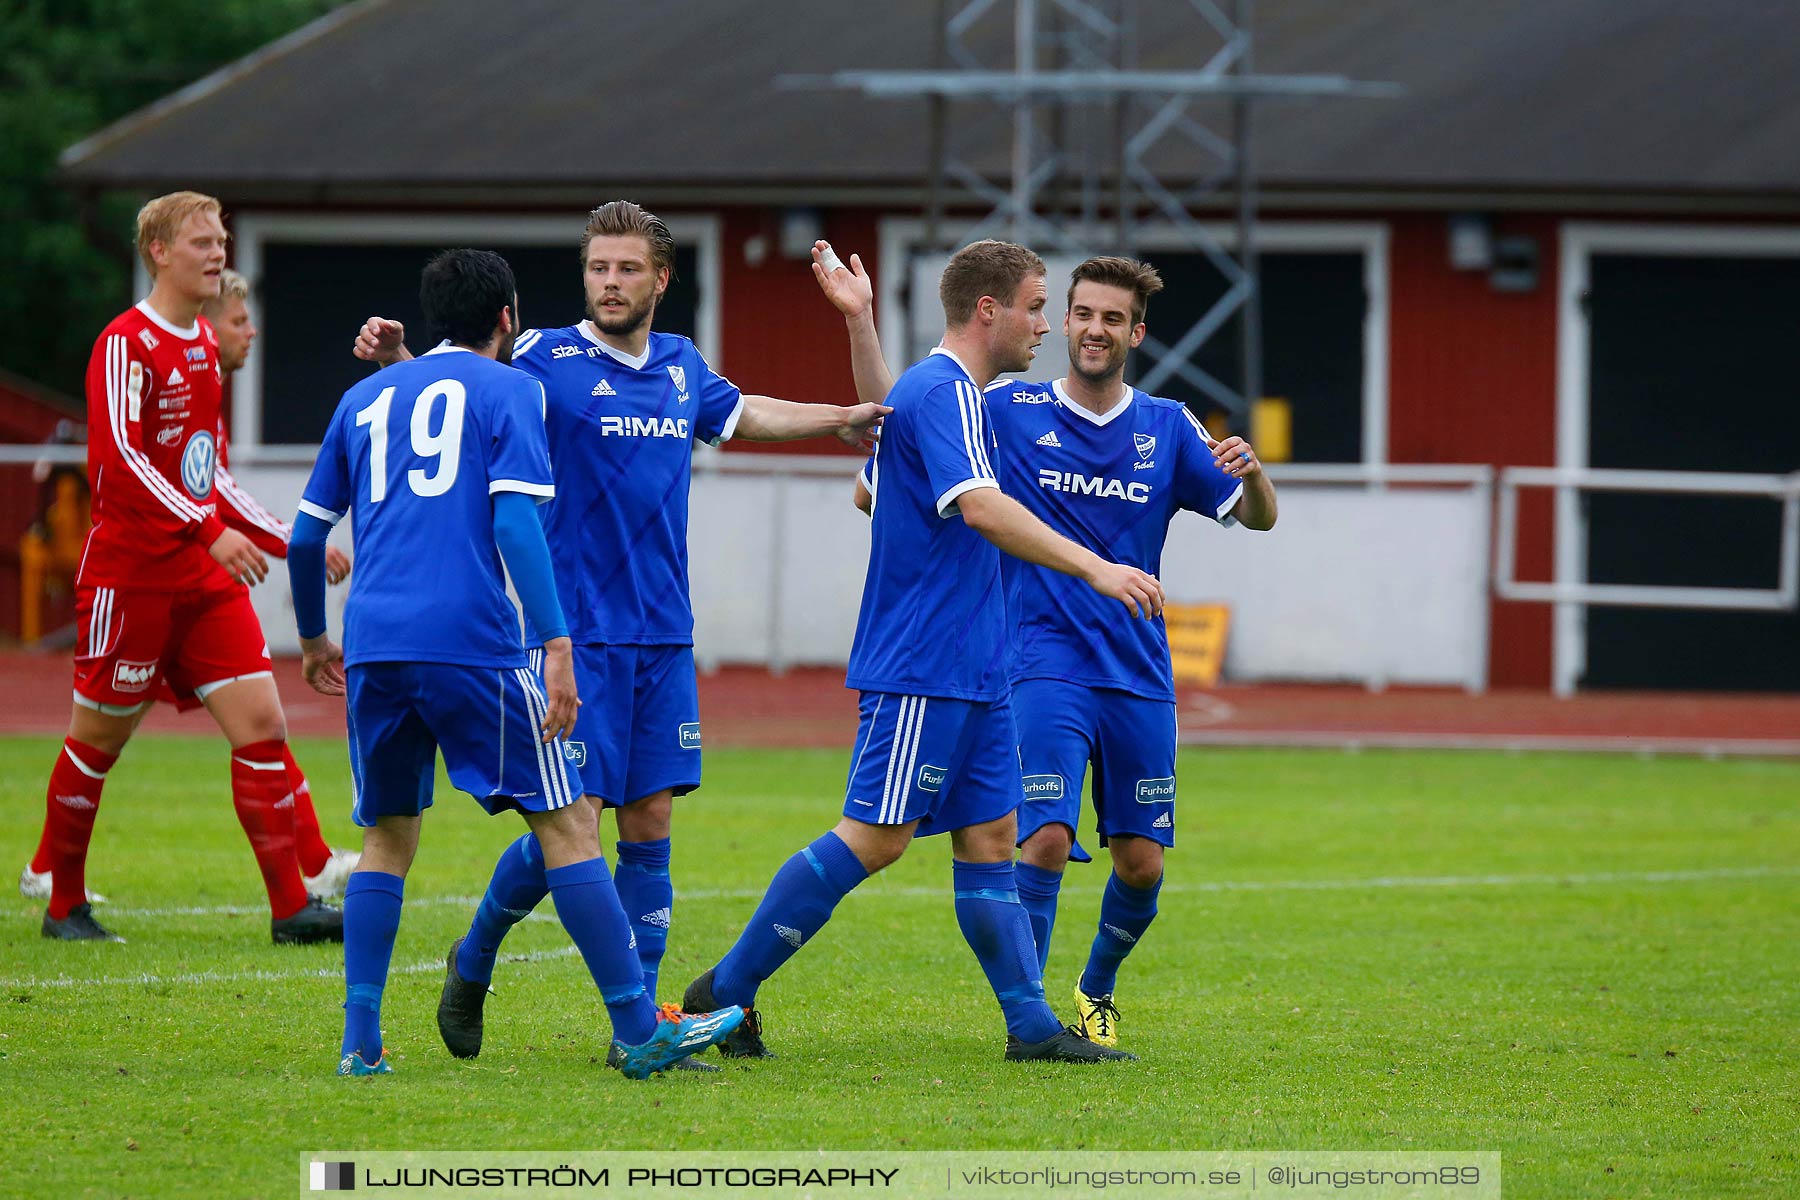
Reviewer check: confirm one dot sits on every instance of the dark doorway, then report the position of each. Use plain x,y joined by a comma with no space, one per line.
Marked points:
1312,312
1691,369
313,298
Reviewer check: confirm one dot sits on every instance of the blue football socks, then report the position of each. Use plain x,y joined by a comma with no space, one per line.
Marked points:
796,906
1038,890
642,878
371,921
1125,913
997,928
588,907
517,887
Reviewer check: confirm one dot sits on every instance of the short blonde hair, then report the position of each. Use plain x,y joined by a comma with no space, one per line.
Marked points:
980,269
161,219
231,286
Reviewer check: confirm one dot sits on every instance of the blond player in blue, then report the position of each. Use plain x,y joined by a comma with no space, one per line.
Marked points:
1107,466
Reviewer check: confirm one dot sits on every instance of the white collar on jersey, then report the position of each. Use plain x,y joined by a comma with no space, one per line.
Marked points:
162,322
951,355
1105,418
446,347
635,363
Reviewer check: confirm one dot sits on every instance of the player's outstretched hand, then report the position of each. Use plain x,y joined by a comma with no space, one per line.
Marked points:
382,342
240,558
862,424
337,565
322,665
1137,590
847,287
559,688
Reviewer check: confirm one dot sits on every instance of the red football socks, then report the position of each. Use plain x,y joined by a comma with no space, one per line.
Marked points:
70,806
309,844
265,808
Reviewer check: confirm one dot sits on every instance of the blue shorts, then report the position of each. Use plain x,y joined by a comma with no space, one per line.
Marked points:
947,764
486,720
638,730
1131,742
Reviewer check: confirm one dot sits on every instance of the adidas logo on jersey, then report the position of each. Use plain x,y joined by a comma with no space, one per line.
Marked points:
174,377
1122,935
659,918
792,937
1050,439
78,803
1162,822
603,388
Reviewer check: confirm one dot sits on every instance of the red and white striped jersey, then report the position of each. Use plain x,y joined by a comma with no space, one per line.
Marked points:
153,426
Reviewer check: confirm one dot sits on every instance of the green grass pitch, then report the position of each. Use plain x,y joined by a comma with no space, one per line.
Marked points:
1586,963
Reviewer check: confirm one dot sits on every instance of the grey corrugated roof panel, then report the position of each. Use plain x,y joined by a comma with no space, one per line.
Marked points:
1591,95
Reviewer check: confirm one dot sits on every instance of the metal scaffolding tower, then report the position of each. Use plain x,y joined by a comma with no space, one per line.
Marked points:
1089,127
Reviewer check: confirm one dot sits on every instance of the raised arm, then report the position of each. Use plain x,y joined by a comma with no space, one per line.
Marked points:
382,342
852,293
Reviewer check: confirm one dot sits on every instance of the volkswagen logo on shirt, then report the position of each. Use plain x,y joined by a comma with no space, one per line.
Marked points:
197,465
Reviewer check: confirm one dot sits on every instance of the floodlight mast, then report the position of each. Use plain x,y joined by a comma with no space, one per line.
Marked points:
1074,87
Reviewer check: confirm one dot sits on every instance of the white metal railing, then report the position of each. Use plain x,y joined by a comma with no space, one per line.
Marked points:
1785,489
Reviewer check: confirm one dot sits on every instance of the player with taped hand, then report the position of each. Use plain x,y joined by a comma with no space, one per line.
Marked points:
1109,466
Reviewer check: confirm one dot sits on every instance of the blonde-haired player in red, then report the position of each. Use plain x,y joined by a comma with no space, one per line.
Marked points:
161,593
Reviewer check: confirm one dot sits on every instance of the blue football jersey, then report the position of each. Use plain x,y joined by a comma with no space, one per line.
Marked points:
933,619
623,433
1111,483
414,453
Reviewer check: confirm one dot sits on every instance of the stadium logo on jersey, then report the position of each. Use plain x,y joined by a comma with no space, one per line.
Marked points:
148,338
565,352
689,733
169,435
1050,439
1156,791
792,937
576,752
133,676
1092,485
669,427
1024,397
197,465
603,388
1043,787
174,377
1162,822
679,378
931,778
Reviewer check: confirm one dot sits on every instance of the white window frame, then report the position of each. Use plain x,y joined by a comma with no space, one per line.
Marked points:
1578,242
1368,238
251,232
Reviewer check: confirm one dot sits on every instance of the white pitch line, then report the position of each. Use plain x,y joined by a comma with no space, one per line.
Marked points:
1376,883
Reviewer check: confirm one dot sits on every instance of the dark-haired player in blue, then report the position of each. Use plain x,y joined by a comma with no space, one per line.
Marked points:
625,407
937,751
1108,466
443,460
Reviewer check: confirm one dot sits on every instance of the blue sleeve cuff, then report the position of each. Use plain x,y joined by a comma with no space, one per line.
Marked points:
306,572
520,537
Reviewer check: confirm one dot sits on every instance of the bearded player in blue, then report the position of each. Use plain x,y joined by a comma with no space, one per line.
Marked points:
936,750
625,406
1107,466
443,460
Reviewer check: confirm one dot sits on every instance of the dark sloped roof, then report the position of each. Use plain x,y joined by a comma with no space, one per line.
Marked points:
1606,96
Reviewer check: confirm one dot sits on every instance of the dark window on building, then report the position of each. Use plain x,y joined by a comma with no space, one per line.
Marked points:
313,297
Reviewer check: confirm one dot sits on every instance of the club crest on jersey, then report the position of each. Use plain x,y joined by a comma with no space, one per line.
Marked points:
576,753
1025,397
198,462
1146,445
678,377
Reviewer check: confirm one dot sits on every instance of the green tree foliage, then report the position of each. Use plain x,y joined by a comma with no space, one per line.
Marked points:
69,68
